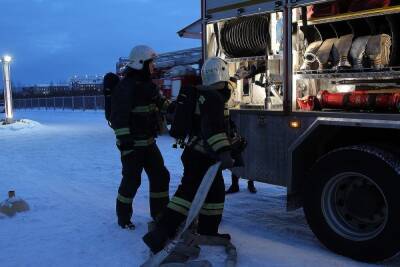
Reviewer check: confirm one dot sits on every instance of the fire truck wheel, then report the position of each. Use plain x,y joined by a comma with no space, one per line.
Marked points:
352,202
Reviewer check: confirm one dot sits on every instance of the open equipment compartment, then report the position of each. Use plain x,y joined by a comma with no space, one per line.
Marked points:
250,40
347,57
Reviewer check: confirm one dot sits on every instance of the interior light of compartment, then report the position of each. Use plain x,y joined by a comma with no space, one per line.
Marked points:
345,88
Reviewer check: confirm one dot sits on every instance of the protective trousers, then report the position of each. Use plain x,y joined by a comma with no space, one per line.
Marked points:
150,159
195,165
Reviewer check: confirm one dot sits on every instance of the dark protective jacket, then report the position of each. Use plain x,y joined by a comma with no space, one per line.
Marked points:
211,125
136,107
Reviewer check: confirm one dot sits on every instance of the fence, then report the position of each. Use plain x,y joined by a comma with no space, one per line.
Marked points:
67,102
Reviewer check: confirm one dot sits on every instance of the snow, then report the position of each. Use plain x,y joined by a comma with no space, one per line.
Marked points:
19,125
66,166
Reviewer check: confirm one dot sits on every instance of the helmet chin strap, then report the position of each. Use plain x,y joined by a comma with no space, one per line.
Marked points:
226,93
146,69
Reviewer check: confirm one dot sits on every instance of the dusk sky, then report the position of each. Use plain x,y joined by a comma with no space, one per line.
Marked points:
52,40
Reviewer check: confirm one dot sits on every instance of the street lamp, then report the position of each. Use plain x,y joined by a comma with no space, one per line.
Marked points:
6,60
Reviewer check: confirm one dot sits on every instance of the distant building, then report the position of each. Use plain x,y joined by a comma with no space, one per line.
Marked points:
43,90
87,85
78,85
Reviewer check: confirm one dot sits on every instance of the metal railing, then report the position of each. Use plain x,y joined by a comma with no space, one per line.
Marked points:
66,102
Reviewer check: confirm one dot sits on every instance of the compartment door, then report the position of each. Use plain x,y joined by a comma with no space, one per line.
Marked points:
225,9
295,3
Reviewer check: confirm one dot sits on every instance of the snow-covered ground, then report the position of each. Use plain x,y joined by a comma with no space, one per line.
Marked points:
67,168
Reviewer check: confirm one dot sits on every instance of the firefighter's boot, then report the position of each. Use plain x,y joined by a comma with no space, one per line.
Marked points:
156,239
250,186
124,214
234,188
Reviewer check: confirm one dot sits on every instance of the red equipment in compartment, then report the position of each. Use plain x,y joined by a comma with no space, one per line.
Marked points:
309,103
360,100
327,9
357,5
343,6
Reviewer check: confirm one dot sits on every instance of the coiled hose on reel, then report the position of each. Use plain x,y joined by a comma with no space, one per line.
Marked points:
245,36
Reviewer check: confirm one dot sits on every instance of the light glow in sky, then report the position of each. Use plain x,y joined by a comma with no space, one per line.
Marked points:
52,40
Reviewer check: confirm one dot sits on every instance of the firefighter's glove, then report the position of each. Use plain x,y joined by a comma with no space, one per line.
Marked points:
226,160
238,144
125,142
241,73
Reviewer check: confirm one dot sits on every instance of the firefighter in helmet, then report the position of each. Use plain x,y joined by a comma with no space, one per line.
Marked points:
209,143
136,105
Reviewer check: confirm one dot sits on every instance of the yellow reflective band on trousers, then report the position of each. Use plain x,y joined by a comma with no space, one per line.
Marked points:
179,205
126,152
145,142
145,109
213,206
212,209
182,202
122,131
159,194
178,209
125,200
211,212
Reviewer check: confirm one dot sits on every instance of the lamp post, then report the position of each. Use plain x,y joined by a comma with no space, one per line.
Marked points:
8,105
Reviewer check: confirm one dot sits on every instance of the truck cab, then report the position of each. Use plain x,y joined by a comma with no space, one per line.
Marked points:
318,100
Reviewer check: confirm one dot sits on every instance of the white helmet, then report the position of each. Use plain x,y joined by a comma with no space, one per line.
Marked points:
139,55
214,70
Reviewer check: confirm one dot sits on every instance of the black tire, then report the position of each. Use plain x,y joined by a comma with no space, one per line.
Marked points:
352,202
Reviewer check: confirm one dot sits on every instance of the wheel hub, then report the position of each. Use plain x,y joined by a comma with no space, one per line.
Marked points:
354,206
362,201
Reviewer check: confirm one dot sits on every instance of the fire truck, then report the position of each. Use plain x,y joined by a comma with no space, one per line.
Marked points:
174,70
318,100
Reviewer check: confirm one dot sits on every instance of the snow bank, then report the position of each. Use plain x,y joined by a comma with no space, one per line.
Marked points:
20,125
